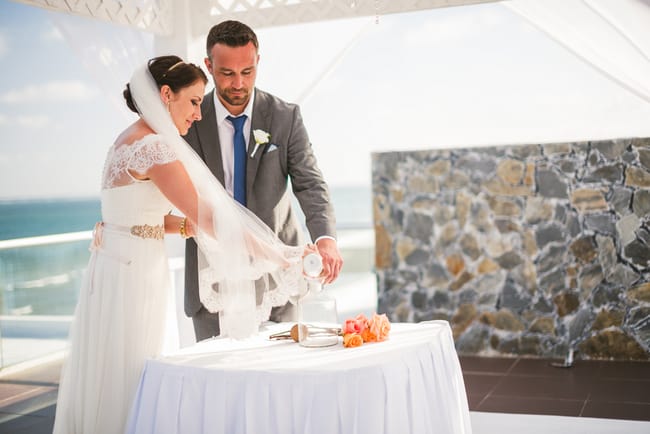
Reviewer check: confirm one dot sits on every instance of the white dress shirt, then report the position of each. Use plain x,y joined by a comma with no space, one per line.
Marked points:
226,133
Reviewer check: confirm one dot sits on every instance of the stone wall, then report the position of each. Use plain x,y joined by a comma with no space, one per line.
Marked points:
525,250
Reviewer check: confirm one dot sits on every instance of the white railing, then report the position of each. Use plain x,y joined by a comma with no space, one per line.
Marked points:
28,335
45,240
27,273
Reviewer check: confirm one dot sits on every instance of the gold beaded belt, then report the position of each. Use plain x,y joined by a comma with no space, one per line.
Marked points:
156,232
147,231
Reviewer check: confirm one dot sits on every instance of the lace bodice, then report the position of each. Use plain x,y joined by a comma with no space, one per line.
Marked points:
138,157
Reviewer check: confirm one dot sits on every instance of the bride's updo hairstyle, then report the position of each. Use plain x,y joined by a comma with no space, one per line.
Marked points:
170,71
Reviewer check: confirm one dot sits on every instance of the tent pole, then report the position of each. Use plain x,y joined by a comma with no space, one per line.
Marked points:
178,41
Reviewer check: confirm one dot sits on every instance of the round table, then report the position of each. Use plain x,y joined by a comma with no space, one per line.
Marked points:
411,383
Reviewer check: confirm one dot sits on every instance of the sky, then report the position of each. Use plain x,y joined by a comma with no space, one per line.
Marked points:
461,76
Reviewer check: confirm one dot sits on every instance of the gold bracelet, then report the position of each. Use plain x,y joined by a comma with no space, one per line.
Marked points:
181,230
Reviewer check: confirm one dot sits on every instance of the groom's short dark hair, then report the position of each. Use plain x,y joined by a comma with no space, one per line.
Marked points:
231,33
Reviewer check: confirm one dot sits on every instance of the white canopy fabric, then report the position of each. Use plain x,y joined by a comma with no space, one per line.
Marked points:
164,17
110,53
400,103
613,36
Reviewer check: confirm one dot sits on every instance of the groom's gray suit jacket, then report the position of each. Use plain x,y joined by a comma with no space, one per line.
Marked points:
288,155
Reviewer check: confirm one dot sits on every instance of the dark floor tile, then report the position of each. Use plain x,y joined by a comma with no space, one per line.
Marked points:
616,410
35,403
9,391
520,405
608,389
498,365
626,370
544,367
5,417
480,383
542,387
49,411
28,425
473,401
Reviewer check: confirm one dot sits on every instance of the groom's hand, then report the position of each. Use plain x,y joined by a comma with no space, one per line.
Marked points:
332,261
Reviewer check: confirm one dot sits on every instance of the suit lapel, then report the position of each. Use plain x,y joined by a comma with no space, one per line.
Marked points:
261,121
209,137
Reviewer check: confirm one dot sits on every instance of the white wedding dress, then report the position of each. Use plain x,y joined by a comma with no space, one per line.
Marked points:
120,317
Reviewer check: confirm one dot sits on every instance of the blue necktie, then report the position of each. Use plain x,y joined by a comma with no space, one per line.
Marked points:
239,177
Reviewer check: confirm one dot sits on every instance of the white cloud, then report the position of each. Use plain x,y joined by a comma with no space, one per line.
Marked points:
106,57
37,121
52,35
27,121
55,91
4,45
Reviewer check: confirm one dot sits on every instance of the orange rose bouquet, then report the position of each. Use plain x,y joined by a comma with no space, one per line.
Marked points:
358,330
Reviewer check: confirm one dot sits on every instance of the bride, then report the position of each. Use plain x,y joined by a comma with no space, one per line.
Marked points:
120,316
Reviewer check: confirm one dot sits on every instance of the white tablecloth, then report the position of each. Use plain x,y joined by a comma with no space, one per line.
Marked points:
411,383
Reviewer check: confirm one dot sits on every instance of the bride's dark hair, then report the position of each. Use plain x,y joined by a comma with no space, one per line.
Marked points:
170,71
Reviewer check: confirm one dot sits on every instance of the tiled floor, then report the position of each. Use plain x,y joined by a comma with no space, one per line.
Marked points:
589,389
599,389
28,399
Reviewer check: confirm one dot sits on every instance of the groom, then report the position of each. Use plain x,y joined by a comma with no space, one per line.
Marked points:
254,143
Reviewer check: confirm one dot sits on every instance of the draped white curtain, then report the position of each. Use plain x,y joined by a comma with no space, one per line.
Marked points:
613,36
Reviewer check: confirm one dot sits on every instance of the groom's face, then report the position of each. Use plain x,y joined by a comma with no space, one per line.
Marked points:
233,70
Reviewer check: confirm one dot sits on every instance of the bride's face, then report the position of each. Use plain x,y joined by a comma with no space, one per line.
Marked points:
185,105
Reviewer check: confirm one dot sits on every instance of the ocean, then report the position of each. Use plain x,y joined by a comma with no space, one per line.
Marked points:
45,279
36,217
30,218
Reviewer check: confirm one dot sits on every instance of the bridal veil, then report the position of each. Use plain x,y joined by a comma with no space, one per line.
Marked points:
235,279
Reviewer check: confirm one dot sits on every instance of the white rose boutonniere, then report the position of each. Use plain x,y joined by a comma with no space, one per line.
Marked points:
261,138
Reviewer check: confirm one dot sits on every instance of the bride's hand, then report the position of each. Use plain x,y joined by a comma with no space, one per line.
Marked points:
310,248
190,229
